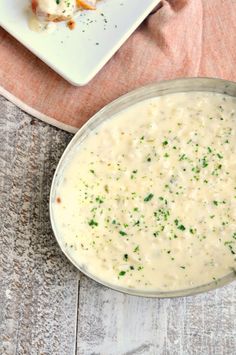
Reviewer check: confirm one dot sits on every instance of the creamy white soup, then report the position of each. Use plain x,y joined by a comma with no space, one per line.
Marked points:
148,201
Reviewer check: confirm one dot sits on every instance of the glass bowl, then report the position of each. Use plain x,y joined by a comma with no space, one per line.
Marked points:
133,97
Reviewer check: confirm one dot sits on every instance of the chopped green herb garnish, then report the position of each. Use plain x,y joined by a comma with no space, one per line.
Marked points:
204,162
182,157
122,273
136,223
93,223
181,227
162,213
99,200
229,244
122,233
148,197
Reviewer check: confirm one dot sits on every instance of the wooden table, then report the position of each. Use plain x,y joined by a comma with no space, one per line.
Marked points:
47,306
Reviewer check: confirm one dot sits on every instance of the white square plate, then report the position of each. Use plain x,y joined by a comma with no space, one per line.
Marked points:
79,54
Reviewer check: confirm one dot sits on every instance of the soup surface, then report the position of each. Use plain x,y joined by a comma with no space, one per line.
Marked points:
148,201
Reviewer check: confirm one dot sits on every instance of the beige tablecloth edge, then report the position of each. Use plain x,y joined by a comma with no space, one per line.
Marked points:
31,111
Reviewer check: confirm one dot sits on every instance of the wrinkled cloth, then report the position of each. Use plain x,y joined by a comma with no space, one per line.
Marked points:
183,38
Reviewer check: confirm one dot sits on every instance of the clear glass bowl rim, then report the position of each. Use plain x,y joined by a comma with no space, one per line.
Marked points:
146,92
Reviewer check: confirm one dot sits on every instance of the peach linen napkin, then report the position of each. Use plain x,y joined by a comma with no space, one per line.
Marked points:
183,38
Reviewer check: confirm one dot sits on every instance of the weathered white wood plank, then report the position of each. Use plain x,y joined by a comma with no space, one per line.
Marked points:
38,286
111,323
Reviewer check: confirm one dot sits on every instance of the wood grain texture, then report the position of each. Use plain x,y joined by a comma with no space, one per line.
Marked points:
46,308
39,287
112,323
